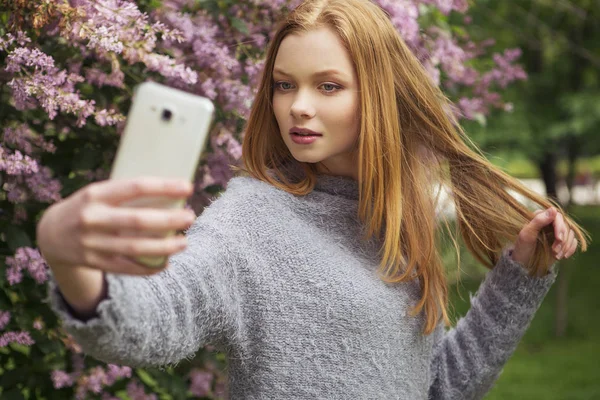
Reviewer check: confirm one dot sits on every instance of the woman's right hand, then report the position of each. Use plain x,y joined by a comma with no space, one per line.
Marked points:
86,228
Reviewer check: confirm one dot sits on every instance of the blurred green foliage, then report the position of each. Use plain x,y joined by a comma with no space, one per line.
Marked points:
545,367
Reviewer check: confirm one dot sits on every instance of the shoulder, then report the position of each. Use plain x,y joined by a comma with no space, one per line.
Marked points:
246,197
240,186
245,189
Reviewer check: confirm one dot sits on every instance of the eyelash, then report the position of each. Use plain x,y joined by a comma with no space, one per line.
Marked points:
335,87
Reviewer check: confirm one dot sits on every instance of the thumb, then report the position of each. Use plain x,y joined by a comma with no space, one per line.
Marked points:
535,226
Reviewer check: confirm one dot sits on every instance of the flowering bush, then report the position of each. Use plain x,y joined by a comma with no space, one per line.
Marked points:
67,71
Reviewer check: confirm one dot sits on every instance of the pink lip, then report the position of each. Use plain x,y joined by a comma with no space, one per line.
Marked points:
304,130
303,139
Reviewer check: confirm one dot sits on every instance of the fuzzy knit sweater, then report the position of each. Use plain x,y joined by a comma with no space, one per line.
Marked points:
285,287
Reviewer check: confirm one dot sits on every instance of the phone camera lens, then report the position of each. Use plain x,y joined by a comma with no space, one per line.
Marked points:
166,115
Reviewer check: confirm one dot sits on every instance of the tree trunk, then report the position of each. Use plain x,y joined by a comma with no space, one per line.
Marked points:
547,167
572,156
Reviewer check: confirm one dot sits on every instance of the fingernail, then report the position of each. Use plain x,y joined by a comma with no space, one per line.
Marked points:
559,255
549,212
561,236
559,248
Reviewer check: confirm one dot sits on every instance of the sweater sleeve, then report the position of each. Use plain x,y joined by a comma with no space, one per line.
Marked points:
469,358
164,318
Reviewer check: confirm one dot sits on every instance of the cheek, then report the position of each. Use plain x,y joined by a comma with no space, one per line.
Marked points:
279,110
346,116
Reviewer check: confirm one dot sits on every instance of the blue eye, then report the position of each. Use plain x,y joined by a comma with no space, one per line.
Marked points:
330,87
280,85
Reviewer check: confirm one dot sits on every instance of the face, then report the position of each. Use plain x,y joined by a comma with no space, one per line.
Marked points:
316,88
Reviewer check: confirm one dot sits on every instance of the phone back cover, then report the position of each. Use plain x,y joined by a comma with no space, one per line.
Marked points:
151,146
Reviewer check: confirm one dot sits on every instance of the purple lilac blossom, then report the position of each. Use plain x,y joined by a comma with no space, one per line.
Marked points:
136,391
200,382
4,319
22,338
61,379
26,258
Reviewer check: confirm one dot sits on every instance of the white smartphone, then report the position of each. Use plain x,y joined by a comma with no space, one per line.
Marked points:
165,134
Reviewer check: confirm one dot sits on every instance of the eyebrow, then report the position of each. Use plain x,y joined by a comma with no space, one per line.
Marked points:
325,72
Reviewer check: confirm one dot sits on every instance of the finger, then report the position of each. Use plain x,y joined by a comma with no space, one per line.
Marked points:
116,191
560,231
572,249
568,243
530,232
536,212
134,247
118,264
112,219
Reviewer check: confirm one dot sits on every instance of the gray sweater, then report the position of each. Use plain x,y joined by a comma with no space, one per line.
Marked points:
285,287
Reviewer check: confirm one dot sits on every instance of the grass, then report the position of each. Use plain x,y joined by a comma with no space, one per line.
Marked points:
546,367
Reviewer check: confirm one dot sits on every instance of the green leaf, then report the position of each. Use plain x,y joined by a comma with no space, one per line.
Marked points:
86,158
49,346
146,378
240,25
13,394
17,237
21,348
11,378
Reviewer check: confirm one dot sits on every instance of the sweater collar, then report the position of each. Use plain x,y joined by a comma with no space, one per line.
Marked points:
338,186
331,184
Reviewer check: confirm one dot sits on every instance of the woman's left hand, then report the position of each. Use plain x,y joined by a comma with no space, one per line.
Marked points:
564,245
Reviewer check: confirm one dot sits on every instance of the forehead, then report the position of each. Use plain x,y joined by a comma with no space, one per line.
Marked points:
320,49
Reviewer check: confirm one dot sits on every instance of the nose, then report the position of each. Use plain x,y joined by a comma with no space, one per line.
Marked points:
302,107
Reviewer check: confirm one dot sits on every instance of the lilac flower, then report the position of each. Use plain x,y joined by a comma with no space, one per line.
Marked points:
95,381
403,14
21,38
24,139
471,107
108,117
28,259
61,379
106,396
115,372
233,147
17,163
254,71
136,391
445,6
100,78
4,319
16,194
51,87
200,382
208,89
14,276
26,57
38,324
218,169
43,187
21,338
105,38
19,215
166,66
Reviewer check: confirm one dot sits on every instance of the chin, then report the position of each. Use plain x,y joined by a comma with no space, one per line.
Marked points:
307,158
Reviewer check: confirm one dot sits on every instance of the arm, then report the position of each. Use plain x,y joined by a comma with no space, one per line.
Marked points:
163,318
468,359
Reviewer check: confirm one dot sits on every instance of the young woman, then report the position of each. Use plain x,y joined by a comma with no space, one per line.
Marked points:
317,272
